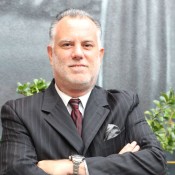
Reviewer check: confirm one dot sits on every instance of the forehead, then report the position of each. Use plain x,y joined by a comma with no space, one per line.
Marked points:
77,25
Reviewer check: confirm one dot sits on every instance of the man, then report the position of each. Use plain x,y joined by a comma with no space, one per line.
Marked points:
109,136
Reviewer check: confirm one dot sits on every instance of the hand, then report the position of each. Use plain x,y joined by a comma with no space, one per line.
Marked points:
56,167
60,167
130,147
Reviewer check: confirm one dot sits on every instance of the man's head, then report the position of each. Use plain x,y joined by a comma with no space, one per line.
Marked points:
75,51
71,13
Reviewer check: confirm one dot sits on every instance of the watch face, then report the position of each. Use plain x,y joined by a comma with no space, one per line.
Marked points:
77,158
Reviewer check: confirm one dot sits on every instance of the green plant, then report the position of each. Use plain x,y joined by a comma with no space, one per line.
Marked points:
161,120
28,88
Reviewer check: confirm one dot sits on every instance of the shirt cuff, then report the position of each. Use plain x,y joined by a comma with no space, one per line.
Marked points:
86,168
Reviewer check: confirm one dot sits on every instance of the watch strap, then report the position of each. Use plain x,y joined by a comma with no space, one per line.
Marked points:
76,167
77,160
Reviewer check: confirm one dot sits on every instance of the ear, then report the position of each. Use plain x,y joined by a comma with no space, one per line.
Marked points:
101,53
50,54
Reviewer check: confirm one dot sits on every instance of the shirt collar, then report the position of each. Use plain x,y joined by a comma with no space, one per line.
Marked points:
66,97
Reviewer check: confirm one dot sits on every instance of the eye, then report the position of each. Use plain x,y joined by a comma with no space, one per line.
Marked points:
66,45
88,45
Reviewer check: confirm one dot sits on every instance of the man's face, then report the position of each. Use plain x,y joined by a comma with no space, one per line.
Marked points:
76,54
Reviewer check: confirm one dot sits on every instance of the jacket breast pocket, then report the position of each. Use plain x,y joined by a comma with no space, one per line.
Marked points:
114,145
101,147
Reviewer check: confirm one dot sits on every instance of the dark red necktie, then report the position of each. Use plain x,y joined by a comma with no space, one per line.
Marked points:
76,114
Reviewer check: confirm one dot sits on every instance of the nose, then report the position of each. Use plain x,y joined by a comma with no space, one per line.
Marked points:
77,52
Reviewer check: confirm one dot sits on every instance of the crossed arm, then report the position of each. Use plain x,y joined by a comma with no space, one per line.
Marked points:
65,166
18,155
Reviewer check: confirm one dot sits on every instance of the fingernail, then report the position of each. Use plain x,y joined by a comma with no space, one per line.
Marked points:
134,143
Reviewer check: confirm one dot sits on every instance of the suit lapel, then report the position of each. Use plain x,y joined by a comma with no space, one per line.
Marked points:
60,119
95,114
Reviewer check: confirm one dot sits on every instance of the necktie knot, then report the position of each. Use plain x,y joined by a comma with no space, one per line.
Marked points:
74,103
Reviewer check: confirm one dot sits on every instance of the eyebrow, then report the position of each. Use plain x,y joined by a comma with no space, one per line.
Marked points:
88,41
64,41
84,41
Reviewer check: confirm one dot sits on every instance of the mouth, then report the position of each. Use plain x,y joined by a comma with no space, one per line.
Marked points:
78,68
78,65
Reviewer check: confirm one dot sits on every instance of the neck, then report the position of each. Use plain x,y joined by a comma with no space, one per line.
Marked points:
75,93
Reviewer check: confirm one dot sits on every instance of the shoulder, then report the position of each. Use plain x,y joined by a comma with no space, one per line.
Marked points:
115,96
115,93
34,100
123,94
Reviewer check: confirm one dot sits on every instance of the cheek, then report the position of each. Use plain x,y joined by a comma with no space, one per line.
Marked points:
95,67
61,56
59,60
96,62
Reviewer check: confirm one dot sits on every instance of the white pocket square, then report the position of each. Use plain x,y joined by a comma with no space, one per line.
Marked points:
111,132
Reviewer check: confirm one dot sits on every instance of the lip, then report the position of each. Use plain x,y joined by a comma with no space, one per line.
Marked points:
78,68
78,65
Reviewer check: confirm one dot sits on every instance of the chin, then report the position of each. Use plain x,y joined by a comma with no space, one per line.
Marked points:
81,84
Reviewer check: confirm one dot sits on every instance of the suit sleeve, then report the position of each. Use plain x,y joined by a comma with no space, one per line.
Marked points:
17,153
150,160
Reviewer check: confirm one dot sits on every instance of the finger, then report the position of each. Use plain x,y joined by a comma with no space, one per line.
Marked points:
136,148
130,147
133,147
133,144
125,148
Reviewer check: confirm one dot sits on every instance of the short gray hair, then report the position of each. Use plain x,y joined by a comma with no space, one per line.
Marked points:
71,13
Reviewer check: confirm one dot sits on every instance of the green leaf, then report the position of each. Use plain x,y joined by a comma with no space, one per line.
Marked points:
161,120
28,88
157,102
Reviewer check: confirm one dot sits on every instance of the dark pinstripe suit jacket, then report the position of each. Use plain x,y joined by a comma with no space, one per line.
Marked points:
39,127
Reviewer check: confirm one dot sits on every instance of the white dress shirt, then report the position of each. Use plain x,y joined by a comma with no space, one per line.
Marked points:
66,99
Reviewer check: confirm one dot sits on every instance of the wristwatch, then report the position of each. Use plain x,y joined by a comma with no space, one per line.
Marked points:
76,159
